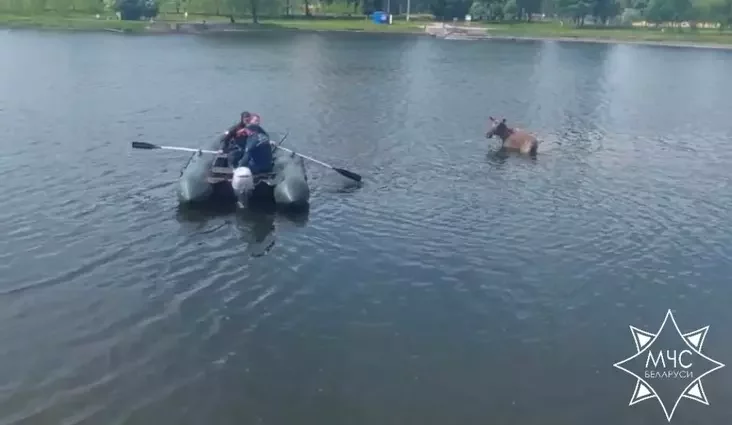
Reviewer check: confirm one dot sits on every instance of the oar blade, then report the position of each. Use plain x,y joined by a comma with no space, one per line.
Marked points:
348,174
144,145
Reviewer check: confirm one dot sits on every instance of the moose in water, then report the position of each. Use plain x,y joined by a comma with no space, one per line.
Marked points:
513,139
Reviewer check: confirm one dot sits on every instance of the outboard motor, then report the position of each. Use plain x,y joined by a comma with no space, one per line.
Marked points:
242,182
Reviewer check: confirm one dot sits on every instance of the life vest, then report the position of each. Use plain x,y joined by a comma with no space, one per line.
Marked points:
244,132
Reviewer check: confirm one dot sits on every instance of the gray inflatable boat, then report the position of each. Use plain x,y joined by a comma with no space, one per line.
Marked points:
207,177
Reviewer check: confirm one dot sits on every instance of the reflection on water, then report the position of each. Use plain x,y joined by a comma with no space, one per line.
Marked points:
497,156
256,224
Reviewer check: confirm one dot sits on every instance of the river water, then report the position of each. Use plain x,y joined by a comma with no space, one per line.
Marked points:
454,286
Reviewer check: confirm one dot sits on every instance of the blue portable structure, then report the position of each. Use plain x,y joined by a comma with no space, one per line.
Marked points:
380,17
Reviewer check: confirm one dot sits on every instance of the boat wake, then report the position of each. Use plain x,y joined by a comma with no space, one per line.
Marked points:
257,225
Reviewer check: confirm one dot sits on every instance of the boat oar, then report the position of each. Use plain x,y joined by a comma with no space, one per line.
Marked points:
145,145
345,173
349,174
283,138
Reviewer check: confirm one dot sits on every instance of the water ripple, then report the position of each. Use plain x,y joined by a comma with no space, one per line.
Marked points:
117,306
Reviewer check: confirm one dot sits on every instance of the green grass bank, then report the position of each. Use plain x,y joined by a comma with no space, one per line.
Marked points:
557,31
539,30
89,22
79,22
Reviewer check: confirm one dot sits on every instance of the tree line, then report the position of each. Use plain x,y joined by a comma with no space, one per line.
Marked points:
576,11
604,12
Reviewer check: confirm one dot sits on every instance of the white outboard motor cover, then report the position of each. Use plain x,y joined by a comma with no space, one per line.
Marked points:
242,181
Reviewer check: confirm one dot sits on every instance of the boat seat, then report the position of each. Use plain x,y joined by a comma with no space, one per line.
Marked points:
215,180
222,170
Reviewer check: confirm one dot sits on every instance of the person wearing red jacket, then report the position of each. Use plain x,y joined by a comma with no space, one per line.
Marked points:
231,133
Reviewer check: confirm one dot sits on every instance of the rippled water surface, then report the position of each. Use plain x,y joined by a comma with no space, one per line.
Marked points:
456,286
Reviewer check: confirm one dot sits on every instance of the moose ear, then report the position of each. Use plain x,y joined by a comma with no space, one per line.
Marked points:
491,118
503,121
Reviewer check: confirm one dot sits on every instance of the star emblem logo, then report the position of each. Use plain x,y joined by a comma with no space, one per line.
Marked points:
667,367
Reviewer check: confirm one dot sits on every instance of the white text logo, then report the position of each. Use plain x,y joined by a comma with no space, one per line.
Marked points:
668,368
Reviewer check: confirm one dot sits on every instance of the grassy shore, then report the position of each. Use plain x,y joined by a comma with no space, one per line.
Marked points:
398,26
83,22
538,30
557,31
70,22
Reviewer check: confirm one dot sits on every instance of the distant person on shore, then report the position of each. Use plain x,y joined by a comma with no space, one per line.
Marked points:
513,139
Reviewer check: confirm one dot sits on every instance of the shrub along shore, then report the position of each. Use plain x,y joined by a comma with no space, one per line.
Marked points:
175,23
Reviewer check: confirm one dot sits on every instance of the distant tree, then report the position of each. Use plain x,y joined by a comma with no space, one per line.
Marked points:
505,9
497,11
255,17
133,10
629,15
448,9
659,11
719,11
669,10
480,10
510,9
575,9
603,10
527,8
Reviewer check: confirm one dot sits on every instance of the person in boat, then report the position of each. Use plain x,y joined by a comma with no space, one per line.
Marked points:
231,134
252,147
